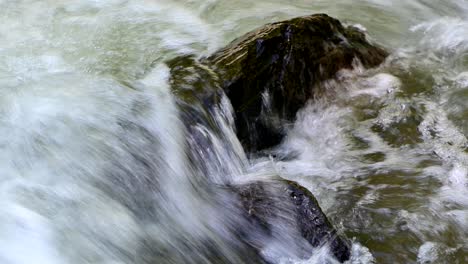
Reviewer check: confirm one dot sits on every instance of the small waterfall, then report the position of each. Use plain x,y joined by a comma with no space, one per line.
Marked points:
108,156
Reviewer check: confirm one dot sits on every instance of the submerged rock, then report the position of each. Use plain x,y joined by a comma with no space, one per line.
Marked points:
314,224
270,73
290,204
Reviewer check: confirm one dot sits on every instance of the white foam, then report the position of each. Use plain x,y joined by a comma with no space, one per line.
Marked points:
447,35
378,85
360,255
431,252
19,223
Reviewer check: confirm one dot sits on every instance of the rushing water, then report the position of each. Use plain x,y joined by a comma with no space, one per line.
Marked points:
93,164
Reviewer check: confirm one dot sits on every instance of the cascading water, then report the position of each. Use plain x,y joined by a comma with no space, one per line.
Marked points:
97,166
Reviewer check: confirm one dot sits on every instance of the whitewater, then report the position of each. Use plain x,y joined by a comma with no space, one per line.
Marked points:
94,163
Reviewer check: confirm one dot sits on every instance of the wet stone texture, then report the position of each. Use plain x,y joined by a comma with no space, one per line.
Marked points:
313,223
270,73
291,205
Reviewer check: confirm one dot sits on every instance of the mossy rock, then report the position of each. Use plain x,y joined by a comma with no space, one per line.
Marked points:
287,61
196,89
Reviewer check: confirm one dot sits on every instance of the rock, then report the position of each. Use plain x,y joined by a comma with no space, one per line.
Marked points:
197,90
314,224
270,73
264,201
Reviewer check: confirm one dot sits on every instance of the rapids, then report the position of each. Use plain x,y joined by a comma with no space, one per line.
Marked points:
93,160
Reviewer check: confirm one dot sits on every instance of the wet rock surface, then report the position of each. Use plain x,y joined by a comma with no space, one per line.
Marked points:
292,205
313,223
197,91
270,73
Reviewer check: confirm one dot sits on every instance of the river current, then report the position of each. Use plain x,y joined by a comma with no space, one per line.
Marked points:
93,164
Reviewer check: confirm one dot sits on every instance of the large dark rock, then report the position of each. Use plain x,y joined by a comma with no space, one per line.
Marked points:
197,91
270,73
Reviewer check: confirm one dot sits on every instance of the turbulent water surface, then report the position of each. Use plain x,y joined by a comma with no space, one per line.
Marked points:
93,164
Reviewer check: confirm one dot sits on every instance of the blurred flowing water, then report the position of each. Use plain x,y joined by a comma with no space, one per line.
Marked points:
94,165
